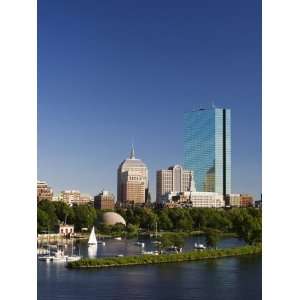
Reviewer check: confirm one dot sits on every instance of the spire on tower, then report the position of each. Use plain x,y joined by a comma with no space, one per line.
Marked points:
132,155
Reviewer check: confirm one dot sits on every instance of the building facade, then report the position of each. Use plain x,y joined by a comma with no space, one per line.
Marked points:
70,196
194,199
104,200
207,149
132,181
233,200
84,199
174,179
207,199
44,192
246,200
66,230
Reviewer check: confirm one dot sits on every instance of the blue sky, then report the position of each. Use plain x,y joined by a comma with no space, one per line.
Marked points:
113,72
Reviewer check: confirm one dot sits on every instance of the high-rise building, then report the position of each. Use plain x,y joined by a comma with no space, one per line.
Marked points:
175,179
104,200
44,192
207,148
132,181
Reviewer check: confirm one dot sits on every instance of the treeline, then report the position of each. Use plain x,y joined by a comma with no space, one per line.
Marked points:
245,222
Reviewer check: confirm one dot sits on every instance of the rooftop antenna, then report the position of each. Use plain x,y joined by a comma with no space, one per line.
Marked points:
132,154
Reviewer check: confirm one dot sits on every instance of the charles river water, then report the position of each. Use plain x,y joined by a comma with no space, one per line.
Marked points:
237,278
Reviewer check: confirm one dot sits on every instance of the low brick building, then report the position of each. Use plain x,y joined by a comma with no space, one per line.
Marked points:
246,200
104,200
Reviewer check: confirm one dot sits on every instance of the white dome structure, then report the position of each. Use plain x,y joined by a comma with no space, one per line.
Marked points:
112,218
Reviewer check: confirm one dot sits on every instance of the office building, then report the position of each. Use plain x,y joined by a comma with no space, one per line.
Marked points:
207,149
132,181
70,197
104,200
174,179
44,192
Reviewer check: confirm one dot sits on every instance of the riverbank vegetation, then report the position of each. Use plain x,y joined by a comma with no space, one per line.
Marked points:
163,258
244,223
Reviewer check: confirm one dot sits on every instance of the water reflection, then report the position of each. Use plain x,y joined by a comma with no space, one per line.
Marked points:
92,251
218,279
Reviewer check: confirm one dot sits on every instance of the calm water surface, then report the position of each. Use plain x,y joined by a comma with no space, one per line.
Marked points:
226,278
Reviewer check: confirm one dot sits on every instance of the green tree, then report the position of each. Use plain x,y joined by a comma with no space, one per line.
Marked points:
212,238
64,212
118,228
42,220
49,208
172,239
85,216
248,227
132,230
164,222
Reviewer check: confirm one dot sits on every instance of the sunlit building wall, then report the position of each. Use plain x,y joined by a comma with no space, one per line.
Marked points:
175,179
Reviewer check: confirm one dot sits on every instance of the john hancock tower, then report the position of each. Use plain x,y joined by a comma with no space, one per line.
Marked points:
207,148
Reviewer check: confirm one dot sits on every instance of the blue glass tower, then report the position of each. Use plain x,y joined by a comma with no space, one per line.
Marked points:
207,148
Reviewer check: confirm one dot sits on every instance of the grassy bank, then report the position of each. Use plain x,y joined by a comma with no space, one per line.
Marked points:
164,258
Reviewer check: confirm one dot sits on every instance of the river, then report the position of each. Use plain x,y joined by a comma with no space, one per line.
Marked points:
224,278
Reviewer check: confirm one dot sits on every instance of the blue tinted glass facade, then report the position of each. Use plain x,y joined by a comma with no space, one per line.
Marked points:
207,148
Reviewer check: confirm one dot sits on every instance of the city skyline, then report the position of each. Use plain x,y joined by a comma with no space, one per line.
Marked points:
103,82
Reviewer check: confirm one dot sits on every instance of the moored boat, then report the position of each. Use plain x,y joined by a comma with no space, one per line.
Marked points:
199,246
141,244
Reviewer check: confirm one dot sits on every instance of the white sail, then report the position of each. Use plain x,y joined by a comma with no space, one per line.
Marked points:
92,238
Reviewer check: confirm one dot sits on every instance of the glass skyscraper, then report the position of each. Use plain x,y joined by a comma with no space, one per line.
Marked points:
207,149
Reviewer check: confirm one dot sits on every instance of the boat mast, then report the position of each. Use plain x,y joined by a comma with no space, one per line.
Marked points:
48,242
72,248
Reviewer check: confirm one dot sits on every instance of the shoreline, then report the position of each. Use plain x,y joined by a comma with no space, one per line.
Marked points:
109,262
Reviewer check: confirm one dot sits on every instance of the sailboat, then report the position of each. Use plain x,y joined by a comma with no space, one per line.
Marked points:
156,241
92,239
47,257
73,257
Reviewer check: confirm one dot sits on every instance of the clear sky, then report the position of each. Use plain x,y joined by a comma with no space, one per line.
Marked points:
112,72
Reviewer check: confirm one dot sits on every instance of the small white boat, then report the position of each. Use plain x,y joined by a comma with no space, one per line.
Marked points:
141,244
150,253
118,238
46,258
92,239
43,251
73,258
199,246
120,255
173,249
59,256
156,242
